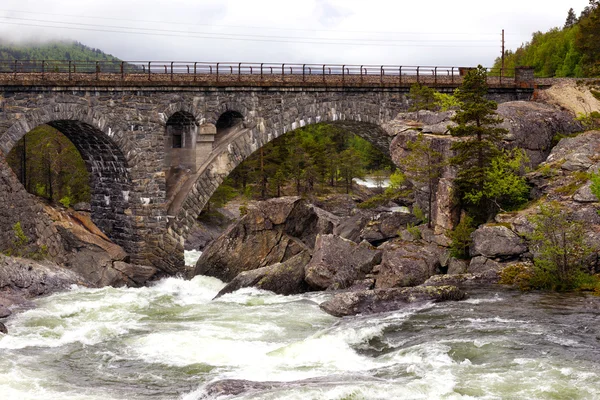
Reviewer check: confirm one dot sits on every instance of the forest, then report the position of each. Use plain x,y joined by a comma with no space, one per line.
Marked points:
572,50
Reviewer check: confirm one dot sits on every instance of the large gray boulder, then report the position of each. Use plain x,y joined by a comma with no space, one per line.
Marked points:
282,278
338,262
408,264
384,300
21,279
271,232
496,241
3,329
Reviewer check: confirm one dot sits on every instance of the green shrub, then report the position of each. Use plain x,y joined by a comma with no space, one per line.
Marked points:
461,238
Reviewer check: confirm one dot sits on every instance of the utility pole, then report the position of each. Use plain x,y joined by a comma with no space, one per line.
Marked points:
502,49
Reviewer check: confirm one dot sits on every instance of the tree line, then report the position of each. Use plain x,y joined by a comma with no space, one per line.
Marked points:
312,160
569,51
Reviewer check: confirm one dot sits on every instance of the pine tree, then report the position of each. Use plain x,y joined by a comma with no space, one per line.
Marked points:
477,123
423,167
571,19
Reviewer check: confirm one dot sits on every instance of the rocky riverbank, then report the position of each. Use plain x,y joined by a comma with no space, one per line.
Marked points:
291,246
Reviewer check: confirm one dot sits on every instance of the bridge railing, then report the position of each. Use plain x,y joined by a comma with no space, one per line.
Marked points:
241,73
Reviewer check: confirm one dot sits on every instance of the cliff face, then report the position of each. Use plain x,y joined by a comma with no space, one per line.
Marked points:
531,126
66,238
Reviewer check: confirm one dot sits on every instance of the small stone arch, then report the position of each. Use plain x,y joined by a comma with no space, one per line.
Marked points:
110,180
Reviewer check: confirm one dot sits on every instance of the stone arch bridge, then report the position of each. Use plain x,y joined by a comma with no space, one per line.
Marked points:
156,151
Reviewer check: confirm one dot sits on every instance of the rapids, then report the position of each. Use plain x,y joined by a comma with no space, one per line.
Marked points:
170,340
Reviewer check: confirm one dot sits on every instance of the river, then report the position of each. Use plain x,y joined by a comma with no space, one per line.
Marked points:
169,340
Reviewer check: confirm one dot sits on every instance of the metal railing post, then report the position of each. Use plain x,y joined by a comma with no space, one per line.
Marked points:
70,70
239,72
361,74
217,72
282,72
452,79
381,75
261,72
418,74
171,71
303,73
97,70
400,75
343,75
149,71
122,70
323,73
195,69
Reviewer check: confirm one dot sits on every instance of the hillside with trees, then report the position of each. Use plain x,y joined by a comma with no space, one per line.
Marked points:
52,51
572,50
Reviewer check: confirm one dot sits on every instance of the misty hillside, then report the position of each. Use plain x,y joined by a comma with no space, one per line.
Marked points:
52,51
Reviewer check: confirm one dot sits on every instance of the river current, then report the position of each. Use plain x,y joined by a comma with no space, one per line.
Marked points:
170,340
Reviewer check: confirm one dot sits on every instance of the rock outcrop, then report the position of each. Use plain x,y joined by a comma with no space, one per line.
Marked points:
271,232
21,279
531,126
408,263
384,300
497,242
284,278
337,262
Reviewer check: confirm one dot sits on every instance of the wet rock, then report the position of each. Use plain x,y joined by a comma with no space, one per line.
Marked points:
576,153
338,262
28,278
496,241
464,280
285,278
4,312
234,387
407,264
135,275
271,232
3,329
384,300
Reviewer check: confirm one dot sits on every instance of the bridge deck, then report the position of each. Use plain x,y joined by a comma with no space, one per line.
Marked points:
243,80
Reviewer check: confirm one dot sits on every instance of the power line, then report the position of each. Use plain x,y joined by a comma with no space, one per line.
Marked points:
233,35
247,26
238,38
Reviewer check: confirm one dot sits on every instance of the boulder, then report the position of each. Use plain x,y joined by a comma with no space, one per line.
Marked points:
496,241
4,312
282,278
482,264
407,264
350,228
338,262
271,232
532,125
585,195
384,300
456,266
28,278
3,329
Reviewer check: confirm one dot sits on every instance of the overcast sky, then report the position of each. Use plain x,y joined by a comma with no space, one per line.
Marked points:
396,32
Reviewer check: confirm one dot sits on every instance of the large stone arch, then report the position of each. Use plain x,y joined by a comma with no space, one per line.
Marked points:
102,150
362,119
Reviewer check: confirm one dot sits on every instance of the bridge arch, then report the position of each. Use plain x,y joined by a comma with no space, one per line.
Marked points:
362,119
101,148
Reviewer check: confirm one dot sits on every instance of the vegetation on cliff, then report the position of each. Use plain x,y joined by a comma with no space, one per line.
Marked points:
570,51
